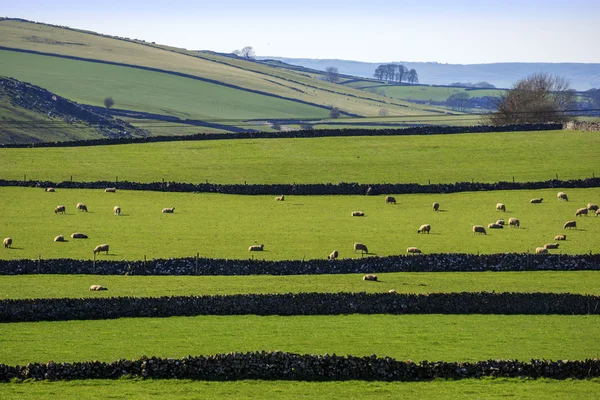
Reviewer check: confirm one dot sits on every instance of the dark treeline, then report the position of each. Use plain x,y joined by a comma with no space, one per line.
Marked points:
299,367
417,130
396,72
66,309
400,263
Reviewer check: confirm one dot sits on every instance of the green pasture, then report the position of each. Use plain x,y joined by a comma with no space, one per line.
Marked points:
153,92
76,286
301,227
287,83
403,337
251,389
425,93
482,157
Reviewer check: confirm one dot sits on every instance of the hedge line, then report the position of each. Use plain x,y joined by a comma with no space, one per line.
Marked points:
419,130
65,309
290,366
308,189
447,262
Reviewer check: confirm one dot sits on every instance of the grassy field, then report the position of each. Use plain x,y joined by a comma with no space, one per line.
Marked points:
185,389
76,286
409,159
403,337
425,93
246,74
302,227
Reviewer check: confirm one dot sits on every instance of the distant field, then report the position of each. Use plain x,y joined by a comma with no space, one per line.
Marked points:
407,159
426,93
403,337
185,389
76,286
302,227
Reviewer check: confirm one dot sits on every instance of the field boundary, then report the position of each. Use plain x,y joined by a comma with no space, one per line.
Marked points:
311,189
299,367
200,266
300,134
293,304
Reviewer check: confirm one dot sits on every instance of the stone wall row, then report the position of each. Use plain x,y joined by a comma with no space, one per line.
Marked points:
299,367
443,262
66,309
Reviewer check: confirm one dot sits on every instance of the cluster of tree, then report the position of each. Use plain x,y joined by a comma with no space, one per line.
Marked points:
594,96
459,101
396,72
538,98
247,53
482,85
332,74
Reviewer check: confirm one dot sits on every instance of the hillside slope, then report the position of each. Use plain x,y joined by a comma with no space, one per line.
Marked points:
29,113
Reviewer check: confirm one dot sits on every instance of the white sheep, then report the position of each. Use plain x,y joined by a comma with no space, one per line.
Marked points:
390,199
280,198
370,277
78,235
168,210
479,229
551,246
541,250
592,207
358,214
581,211
514,222
101,247
7,242
117,210
49,189
256,247
361,247
500,221
570,224
110,190
334,254
81,207
562,196
424,228
597,213
536,201
60,209
413,250
96,288
560,237
59,238
494,225
500,207
436,206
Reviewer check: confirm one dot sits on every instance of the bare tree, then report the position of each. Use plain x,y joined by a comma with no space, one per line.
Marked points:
538,98
334,112
109,102
247,53
332,74
412,76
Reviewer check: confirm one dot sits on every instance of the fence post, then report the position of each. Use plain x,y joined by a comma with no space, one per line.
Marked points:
71,178
145,266
513,179
39,263
24,177
197,254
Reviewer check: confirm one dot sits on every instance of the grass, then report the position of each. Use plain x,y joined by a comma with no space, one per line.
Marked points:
410,159
302,227
76,286
403,337
186,389
426,93
40,37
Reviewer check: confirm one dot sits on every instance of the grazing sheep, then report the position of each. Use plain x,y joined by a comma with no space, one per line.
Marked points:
81,207
49,189
280,198
551,246
514,222
570,224
495,226
501,207
413,250
479,229
390,200
361,247
60,209
541,250
500,221
59,238
110,190
392,291
562,196
370,277
334,254
79,235
560,237
102,247
597,213
424,228
96,288
168,210
256,247
358,214
436,206
117,210
592,207
7,242
581,211
536,201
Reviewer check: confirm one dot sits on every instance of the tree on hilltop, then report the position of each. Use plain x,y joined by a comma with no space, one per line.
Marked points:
247,53
109,102
538,98
332,74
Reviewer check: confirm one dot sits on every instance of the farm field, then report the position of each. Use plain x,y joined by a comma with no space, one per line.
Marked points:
76,286
403,337
482,157
187,389
301,227
421,92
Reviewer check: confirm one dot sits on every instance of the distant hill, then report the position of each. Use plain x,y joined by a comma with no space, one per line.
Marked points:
502,75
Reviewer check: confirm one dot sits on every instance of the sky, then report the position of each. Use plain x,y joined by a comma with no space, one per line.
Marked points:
456,32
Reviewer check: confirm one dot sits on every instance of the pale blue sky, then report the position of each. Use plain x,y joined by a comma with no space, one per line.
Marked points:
459,31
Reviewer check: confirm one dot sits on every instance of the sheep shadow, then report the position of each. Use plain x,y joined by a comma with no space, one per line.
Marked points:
123,215
15,248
